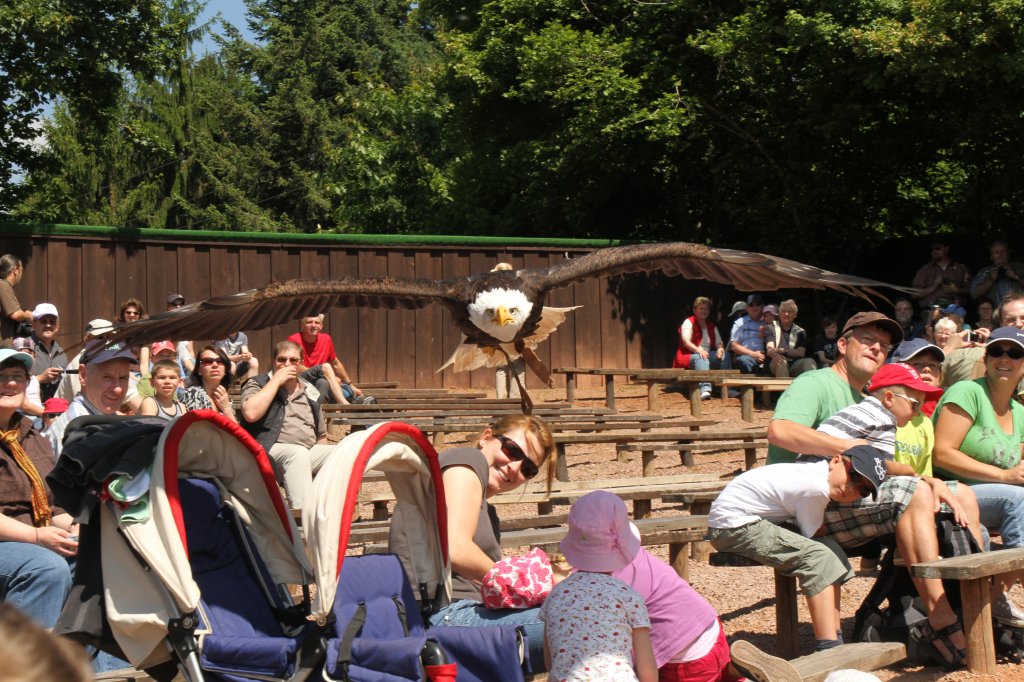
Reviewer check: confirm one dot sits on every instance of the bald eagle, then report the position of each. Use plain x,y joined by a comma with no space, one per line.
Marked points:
499,312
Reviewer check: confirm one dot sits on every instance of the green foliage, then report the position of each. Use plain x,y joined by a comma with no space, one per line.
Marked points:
71,48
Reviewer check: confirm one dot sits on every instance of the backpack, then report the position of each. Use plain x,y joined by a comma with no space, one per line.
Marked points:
903,608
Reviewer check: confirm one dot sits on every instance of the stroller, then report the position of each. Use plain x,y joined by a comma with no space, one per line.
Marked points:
195,565
375,624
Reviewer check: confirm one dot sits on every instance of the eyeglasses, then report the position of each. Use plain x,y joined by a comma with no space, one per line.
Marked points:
287,361
132,313
210,361
528,468
866,339
1000,351
915,404
17,377
923,365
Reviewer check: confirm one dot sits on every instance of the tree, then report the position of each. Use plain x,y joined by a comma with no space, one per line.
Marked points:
71,48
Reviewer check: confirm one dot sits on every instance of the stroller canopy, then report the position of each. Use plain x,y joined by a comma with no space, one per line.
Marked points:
140,602
420,538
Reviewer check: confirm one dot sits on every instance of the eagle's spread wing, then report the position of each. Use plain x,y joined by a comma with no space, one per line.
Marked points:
744,270
283,302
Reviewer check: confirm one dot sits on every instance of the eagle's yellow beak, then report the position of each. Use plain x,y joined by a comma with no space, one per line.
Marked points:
501,317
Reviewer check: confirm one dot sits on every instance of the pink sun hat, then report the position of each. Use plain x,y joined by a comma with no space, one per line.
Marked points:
600,537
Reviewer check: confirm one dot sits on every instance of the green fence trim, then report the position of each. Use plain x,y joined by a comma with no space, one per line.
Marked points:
122,233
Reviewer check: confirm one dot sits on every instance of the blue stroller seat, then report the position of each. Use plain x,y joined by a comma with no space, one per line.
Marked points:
380,634
239,605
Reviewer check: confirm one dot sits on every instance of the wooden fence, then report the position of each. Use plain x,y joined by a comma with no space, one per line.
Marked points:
626,321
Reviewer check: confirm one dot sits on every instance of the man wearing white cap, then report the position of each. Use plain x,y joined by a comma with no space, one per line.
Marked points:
105,372
50,358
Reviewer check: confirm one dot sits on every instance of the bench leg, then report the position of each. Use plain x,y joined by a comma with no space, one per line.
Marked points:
981,648
686,455
695,402
785,616
621,456
570,387
678,556
380,511
747,404
701,550
437,440
609,391
653,397
749,456
766,399
647,459
641,509
562,470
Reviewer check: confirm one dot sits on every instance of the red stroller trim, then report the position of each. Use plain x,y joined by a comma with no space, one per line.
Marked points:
173,441
354,482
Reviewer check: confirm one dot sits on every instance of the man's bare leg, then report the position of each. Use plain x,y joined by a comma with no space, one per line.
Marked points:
334,382
917,542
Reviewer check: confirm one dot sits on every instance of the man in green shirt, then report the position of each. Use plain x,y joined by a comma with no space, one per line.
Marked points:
816,396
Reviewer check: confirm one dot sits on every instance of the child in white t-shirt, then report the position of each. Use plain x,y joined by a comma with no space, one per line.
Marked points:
743,521
596,626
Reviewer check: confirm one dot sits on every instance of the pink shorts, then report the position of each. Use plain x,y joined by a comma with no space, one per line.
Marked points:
713,667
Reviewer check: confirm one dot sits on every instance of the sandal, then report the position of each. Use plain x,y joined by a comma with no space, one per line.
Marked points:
923,637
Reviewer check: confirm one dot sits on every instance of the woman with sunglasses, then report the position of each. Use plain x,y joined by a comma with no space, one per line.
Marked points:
979,430
132,310
509,453
210,383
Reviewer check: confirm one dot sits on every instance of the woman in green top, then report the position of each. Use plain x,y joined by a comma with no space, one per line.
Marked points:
979,430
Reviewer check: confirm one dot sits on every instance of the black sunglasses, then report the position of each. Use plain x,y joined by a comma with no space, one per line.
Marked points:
210,361
1000,351
528,468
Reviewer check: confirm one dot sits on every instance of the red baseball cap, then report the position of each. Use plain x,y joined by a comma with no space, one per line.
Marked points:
901,374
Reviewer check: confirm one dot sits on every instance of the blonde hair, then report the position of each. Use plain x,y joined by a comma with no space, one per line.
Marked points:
540,430
701,300
30,653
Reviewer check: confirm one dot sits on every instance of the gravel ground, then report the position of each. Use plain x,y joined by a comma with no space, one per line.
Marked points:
747,613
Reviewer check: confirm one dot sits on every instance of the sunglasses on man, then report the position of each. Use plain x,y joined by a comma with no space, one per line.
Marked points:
528,468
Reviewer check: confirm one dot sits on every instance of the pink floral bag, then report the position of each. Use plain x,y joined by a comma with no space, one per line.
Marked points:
518,582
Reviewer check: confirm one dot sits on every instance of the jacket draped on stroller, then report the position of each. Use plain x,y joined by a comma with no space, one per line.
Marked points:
196,547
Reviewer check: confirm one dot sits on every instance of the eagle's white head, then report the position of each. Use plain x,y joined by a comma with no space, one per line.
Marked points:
500,312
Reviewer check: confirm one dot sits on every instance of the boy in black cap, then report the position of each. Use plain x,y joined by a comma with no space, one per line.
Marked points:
743,521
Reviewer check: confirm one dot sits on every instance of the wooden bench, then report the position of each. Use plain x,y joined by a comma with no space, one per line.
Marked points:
651,376
675,531
687,443
975,573
747,384
817,666
691,378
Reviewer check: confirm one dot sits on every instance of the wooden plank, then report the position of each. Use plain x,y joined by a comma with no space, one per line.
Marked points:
588,327
194,281
98,281
427,327
636,492
254,271
856,656
453,264
693,447
371,364
78,308
971,566
343,323
224,275
563,341
652,532
401,326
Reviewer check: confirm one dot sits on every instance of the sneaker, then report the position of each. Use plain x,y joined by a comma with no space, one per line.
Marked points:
705,394
1006,612
868,564
756,665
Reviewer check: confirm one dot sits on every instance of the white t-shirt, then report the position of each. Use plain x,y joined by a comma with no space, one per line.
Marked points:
777,493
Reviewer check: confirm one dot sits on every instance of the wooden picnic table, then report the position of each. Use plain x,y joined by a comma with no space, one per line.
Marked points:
469,406
651,376
692,378
747,384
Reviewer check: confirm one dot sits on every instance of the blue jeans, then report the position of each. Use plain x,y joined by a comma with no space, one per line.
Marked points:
747,364
1002,507
699,363
35,580
468,613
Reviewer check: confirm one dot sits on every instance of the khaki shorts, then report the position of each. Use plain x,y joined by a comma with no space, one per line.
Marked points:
815,562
